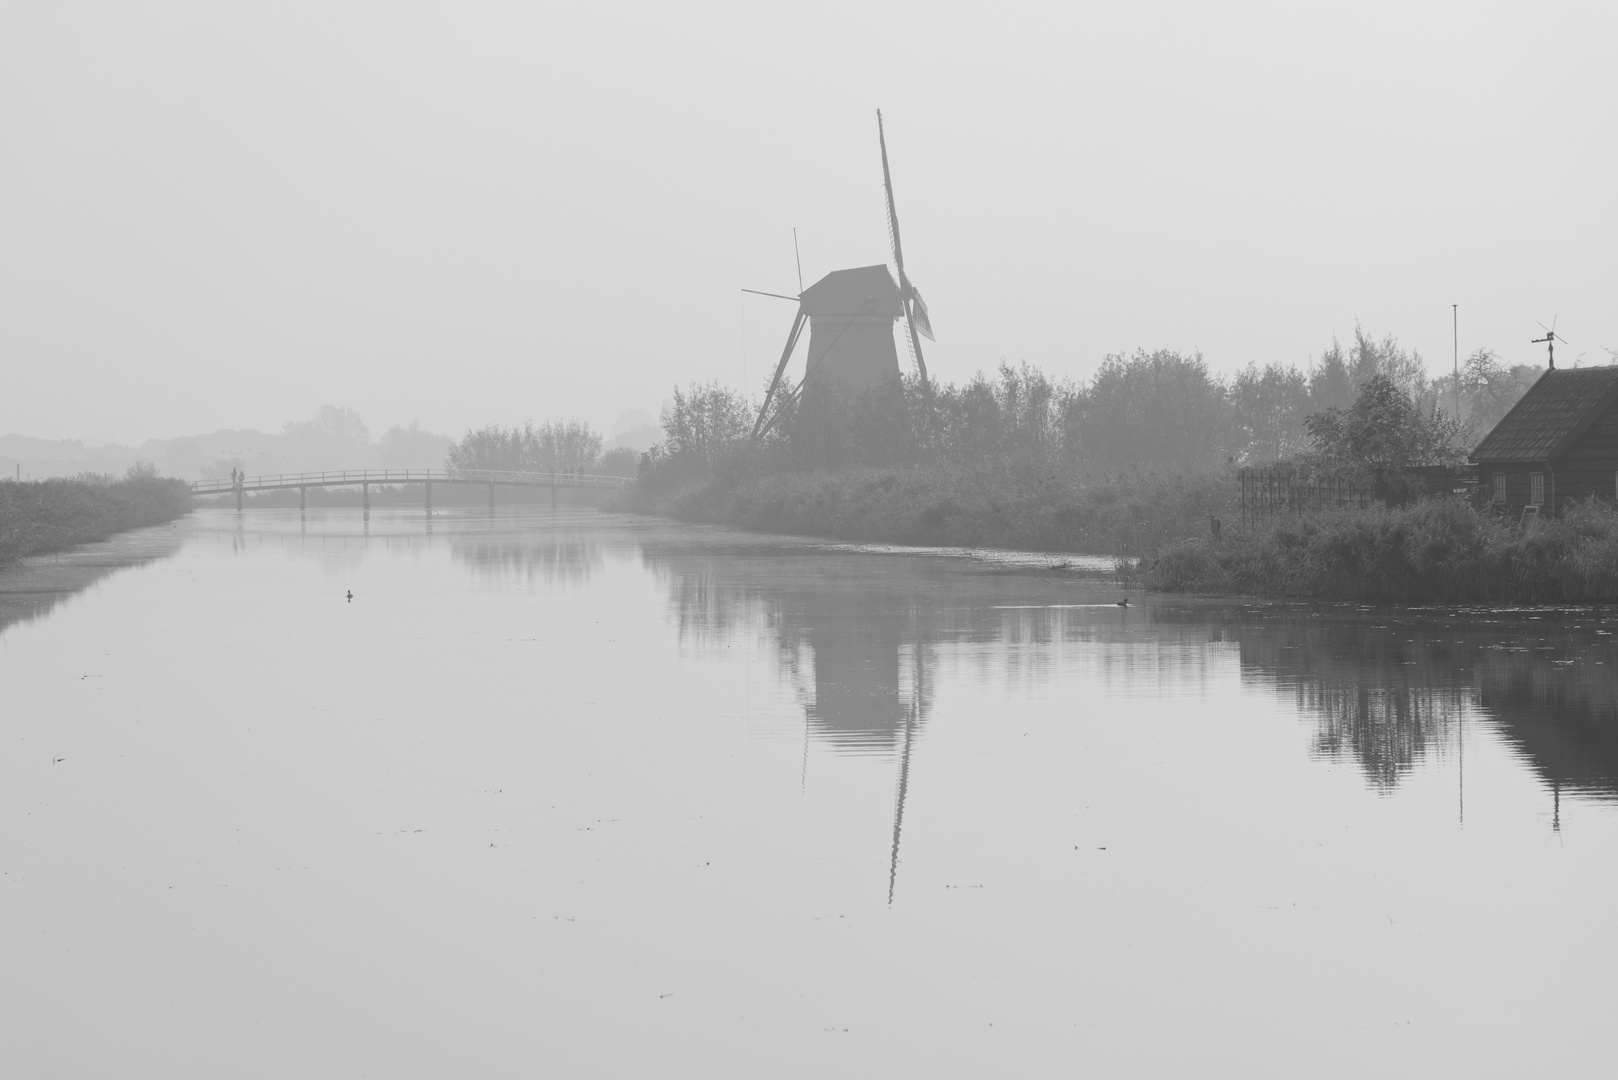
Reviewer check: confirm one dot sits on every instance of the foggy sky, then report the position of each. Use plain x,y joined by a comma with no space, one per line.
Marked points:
226,215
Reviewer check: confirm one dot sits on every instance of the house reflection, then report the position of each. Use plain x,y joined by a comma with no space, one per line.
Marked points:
1389,688
1557,704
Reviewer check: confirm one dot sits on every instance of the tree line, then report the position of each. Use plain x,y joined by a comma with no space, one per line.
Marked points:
1369,403
559,446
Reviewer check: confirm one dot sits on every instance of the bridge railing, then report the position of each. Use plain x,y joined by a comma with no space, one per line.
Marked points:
226,485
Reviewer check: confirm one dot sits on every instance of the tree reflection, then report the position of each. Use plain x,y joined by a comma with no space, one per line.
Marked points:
561,556
1388,689
32,588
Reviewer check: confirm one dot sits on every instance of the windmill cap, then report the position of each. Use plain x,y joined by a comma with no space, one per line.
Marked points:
845,292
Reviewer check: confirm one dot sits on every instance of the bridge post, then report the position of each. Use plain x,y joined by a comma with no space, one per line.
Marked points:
553,491
365,497
491,494
238,495
303,497
429,486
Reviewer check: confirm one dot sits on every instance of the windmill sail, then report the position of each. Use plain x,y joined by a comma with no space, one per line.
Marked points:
916,316
919,313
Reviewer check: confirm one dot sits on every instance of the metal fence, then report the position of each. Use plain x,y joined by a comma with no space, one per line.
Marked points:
1268,491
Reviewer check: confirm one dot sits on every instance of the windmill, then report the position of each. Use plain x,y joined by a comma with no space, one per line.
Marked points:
850,314
1549,341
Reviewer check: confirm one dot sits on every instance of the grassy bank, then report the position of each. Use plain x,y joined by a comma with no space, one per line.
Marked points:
956,507
47,515
1435,551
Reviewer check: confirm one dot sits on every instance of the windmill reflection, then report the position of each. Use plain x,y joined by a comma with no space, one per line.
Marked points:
1390,691
858,646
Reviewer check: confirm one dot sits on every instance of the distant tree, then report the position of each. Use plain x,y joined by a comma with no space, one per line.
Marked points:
563,446
336,438
567,446
493,448
1489,389
1331,386
1380,434
1152,410
620,461
1268,407
704,422
1405,369
221,468
410,448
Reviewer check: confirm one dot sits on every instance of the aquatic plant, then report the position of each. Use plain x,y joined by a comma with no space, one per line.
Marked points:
48,515
1435,550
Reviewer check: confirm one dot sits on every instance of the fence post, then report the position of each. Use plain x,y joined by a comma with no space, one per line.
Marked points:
491,494
365,497
303,494
429,487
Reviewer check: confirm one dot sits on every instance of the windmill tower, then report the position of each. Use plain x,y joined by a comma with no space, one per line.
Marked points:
851,316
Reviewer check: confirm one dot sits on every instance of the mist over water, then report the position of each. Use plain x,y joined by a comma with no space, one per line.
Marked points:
600,795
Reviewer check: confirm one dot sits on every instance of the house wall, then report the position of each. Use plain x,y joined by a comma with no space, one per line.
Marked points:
1517,482
1591,466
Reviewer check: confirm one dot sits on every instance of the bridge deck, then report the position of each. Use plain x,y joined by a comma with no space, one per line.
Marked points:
355,477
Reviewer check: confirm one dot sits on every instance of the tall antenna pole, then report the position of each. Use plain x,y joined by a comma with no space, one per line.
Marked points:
798,257
1455,322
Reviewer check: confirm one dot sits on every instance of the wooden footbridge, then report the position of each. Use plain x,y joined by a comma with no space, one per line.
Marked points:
364,478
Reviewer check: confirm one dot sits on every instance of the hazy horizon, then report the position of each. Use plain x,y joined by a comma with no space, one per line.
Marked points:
226,218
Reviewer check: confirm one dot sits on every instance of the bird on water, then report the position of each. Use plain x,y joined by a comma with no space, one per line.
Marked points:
1124,602
351,596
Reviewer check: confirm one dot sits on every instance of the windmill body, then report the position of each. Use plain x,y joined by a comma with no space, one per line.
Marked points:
851,315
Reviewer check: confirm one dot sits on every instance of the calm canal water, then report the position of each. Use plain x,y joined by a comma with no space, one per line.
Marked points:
586,795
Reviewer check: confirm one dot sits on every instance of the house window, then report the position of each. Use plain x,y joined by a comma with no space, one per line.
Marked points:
1500,484
1536,488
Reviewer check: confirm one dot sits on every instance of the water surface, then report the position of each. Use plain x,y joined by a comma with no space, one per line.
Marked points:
581,795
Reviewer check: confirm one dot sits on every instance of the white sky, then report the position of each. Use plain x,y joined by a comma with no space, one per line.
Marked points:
220,215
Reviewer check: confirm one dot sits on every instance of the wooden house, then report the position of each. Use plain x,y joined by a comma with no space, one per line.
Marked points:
1558,444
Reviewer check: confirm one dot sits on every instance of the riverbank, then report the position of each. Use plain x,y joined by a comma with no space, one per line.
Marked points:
1434,551
955,507
38,516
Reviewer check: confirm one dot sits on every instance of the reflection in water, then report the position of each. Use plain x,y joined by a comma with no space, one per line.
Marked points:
560,556
920,699
1555,697
557,549
31,588
1389,688
1385,689
868,644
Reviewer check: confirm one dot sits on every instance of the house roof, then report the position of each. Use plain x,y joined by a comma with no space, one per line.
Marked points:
845,292
1550,417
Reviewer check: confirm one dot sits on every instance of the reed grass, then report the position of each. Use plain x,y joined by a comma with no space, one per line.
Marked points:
38,516
1440,550
951,506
